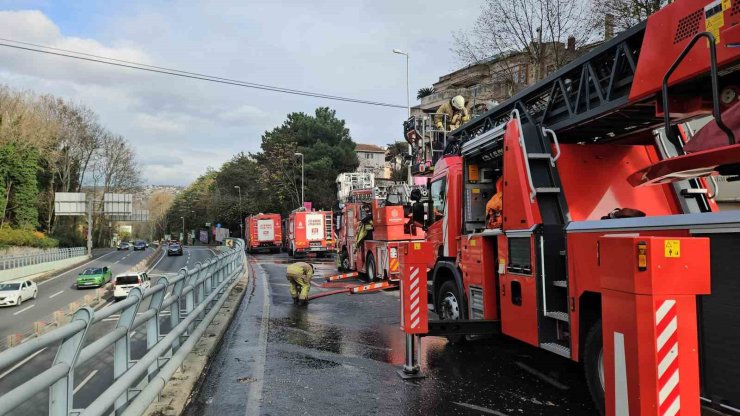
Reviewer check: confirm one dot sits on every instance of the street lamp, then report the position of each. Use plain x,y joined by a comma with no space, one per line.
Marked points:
303,200
241,220
408,101
183,229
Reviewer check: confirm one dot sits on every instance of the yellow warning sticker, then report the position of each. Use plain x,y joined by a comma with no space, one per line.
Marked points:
417,246
673,248
726,4
714,19
473,243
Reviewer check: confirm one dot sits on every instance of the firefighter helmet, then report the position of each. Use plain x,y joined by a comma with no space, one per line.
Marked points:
458,102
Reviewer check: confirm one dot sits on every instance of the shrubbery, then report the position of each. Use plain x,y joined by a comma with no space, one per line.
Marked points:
28,238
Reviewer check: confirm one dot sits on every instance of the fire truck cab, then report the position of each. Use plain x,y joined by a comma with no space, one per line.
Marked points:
598,150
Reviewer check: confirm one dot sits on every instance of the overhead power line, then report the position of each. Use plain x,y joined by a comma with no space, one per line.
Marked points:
32,47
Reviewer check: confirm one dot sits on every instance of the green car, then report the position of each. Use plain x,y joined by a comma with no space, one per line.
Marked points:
94,277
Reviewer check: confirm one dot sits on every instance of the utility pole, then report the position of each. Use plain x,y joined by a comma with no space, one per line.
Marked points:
241,212
303,199
89,227
408,103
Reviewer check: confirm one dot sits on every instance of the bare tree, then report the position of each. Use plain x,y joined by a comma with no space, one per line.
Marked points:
115,169
620,15
541,34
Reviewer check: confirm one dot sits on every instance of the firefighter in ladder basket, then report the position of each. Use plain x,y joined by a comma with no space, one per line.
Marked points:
299,276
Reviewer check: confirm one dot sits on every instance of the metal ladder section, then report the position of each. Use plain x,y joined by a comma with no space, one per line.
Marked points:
552,285
328,229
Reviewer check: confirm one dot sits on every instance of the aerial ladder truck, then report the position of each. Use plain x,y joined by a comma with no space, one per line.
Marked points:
612,251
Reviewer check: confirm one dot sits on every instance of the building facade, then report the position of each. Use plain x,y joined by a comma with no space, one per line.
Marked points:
372,159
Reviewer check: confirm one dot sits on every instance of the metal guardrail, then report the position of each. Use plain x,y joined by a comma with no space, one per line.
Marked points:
13,262
192,298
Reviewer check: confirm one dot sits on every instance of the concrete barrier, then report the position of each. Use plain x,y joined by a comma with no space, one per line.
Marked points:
40,268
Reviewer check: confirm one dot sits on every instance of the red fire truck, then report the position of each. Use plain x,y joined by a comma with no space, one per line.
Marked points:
309,232
607,132
263,232
376,255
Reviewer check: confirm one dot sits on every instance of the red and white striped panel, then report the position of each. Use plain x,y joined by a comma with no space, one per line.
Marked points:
666,325
414,299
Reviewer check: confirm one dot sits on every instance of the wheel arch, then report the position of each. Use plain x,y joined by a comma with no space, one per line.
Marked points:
589,313
446,270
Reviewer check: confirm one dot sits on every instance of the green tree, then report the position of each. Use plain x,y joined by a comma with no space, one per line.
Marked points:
18,185
328,149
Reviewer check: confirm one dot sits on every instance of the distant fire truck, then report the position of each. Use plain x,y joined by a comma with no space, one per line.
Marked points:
609,225
309,232
386,221
263,232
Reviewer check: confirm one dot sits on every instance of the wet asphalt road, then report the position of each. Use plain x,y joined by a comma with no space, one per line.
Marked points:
341,353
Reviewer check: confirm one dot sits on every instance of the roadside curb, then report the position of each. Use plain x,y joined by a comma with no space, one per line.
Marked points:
176,393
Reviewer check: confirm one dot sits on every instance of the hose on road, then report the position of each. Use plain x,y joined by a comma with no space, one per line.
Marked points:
329,293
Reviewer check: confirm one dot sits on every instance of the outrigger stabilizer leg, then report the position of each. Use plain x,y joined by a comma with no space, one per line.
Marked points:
411,368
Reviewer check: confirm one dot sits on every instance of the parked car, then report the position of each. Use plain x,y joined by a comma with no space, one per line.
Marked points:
15,292
174,249
127,281
123,245
139,245
94,277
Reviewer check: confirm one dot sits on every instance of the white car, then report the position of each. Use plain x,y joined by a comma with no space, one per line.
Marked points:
15,292
123,283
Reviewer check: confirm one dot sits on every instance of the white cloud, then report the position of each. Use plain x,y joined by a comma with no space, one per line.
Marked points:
332,47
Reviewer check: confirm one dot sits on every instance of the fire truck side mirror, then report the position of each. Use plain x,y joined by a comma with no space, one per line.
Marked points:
417,213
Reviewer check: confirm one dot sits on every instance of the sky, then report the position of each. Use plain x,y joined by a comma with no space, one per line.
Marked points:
180,127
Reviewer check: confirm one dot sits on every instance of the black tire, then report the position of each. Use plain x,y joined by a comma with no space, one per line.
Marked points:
450,306
344,261
593,365
370,268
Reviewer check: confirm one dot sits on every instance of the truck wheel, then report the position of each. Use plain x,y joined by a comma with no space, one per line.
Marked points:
449,307
370,266
593,365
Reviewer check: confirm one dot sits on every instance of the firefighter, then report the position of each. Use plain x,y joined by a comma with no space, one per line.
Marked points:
365,227
299,275
455,113
495,206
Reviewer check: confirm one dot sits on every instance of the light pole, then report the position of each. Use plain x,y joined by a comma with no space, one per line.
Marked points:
303,200
182,237
408,99
408,102
241,220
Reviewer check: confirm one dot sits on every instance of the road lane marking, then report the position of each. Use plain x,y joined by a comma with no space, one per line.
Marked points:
76,268
85,380
158,261
481,409
254,396
24,309
58,293
27,359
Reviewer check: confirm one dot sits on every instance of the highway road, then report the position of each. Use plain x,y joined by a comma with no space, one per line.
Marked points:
59,291
92,378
